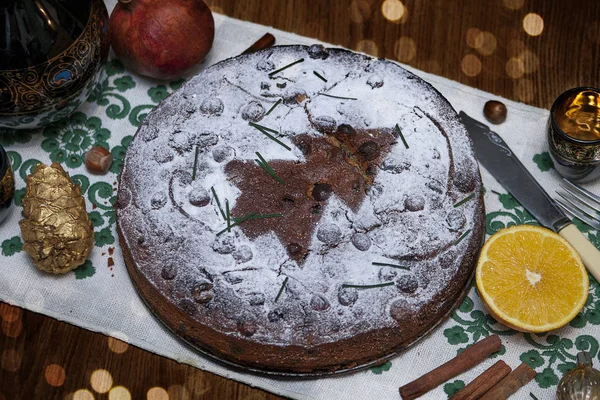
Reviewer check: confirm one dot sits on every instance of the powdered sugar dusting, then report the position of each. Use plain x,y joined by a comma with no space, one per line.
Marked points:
172,222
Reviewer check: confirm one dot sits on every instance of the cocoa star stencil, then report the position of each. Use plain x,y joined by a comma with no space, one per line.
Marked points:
342,164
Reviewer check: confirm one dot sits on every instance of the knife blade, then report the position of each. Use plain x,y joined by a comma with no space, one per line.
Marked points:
495,155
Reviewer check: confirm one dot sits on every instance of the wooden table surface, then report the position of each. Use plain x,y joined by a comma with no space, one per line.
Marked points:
524,50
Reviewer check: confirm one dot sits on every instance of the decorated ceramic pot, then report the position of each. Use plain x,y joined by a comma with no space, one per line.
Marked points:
52,55
7,185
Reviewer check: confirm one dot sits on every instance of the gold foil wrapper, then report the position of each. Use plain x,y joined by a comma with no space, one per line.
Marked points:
57,231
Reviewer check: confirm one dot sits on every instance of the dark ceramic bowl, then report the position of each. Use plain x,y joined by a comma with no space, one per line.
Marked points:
52,56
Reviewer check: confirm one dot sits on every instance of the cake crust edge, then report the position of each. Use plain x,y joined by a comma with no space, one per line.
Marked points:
298,361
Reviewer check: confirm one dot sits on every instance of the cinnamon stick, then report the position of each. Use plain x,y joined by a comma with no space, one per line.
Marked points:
267,40
511,383
466,360
484,382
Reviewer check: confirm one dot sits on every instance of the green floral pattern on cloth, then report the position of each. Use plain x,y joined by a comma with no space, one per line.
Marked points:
112,96
69,139
543,161
380,369
12,246
84,271
110,118
454,387
512,214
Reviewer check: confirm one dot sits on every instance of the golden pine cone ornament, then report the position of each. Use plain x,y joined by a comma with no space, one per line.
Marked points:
57,231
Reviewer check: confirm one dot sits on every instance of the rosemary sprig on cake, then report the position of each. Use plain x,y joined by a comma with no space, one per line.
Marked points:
378,285
264,129
228,215
285,281
271,74
218,202
195,163
249,217
265,165
390,265
463,201
401,136
273,107
464,235
337,97
320,76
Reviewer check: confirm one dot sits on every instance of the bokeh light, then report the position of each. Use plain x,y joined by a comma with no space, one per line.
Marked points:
178,392
368,47
55,375
488,43
359,11
525,90
11,360
157,393
83,394
405,49
471,65
474,38
117,346
513,4
515,68
119,393
12,329
533,24
531,62
9,313
392,10
101,380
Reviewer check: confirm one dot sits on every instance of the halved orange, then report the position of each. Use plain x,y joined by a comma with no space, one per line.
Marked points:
531,279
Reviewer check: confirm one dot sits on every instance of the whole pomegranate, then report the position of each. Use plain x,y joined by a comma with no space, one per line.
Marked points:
162,39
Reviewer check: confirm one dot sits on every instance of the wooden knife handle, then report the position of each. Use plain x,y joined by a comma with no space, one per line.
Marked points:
588,252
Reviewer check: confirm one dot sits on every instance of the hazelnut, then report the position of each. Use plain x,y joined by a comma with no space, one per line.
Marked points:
346,130
369,150
495,111
98,160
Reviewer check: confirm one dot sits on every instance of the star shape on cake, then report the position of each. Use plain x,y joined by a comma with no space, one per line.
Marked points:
341,163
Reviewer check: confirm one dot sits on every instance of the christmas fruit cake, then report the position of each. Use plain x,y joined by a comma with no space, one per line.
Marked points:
301,210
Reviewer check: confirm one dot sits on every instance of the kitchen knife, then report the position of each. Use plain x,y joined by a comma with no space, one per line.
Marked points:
494,154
